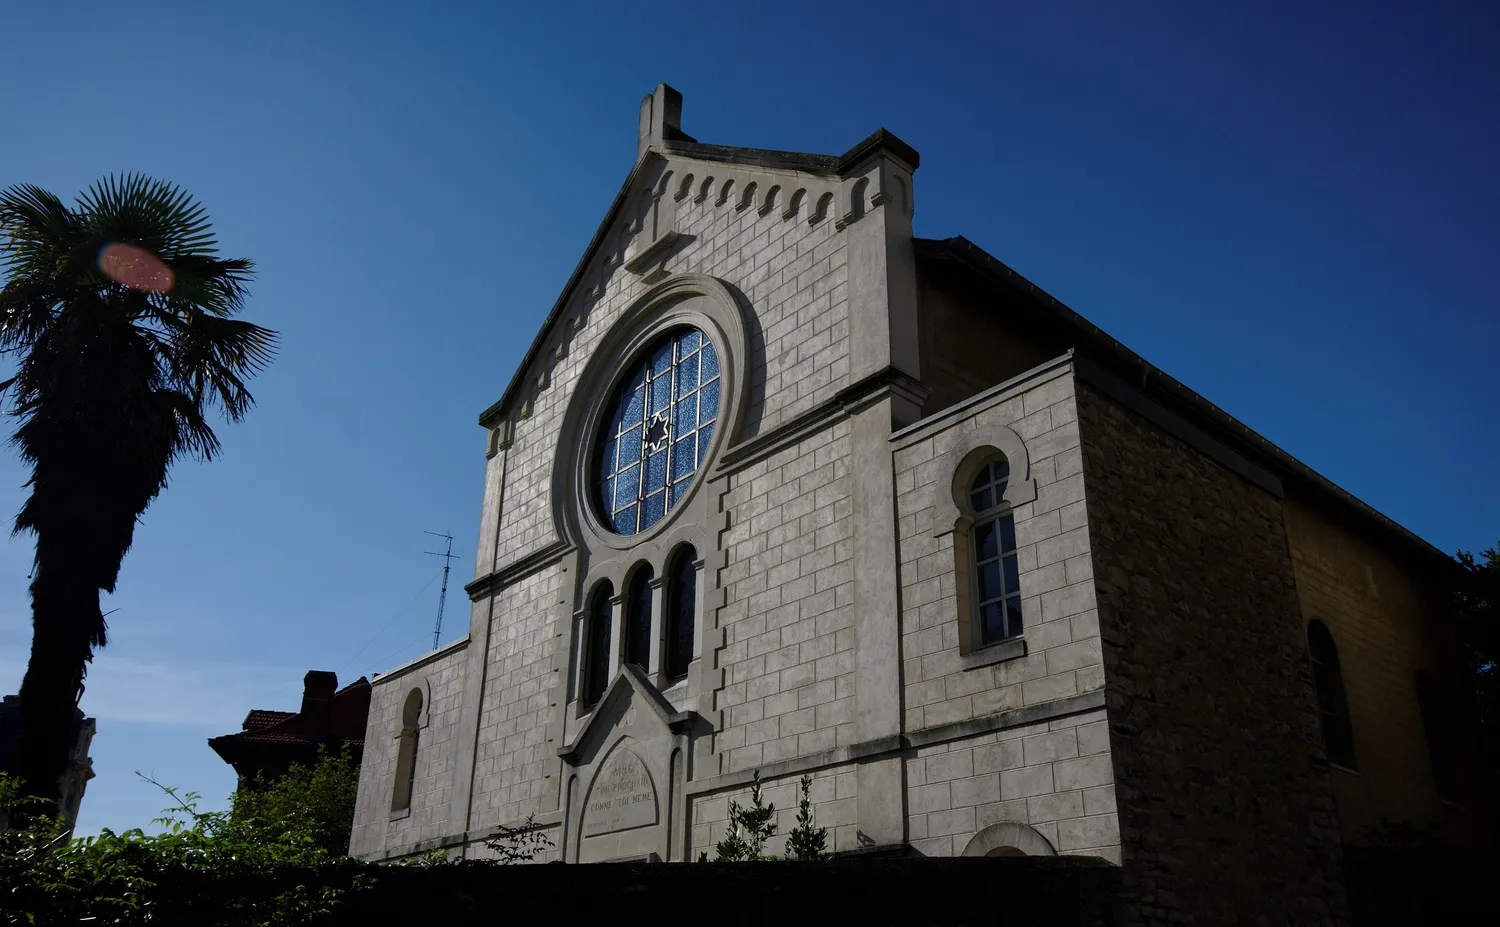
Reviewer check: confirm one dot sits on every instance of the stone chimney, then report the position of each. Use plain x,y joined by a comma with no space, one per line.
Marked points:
318,687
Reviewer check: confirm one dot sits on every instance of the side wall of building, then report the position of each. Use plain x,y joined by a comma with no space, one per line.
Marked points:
1221,778
1389,621
439,677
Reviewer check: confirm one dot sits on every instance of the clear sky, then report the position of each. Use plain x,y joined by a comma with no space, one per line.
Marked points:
1291,209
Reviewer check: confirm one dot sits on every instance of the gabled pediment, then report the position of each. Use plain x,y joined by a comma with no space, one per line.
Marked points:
630,689
674,174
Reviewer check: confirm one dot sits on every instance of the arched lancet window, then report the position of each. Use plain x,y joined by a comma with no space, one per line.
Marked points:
596,645
638,620
1328,679
406,751
681,611
997,586
1435,726
660,424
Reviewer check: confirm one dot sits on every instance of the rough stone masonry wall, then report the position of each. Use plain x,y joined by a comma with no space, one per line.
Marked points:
441,679
1053,775
1226,812
788,617
795,277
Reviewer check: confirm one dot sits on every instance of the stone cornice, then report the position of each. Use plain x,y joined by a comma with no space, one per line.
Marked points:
517,570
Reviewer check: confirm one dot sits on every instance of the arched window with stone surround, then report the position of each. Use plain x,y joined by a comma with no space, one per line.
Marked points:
596,645
1333,707
406,751
992,550
638,619
681,611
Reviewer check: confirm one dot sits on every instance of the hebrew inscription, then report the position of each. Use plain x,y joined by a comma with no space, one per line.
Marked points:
623,796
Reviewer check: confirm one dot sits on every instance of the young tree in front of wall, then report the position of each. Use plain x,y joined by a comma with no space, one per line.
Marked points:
751,826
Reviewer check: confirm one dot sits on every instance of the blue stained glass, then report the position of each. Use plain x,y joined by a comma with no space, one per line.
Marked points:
661,394
629,484
687,376
653,509
624,520
633,407
630,447
661,361
684,461
656,471
685,416
708,402
673,394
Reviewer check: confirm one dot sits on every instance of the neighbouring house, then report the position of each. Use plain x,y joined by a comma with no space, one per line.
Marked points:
271,741
782,488
80,768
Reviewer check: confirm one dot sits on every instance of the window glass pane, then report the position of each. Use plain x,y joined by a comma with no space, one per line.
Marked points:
687,375
984,541
653,509
981,479
999,470
676,490
708,408
710,361
992,622
1012,582
607,494
681,615
630,447
705,433
661,360
1013,615
661,394
685,416
628,486
989,582
684,460
624,520
1007,533
689,343
634,408
982,500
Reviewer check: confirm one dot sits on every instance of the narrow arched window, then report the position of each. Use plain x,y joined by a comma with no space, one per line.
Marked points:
1435,726
638,620
597,629
406,751
1333,707
997,585
682,611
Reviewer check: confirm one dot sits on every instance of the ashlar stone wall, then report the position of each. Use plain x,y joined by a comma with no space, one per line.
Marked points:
1041,754
439,677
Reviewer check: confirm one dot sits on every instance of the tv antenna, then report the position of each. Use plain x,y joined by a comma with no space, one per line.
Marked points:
448,558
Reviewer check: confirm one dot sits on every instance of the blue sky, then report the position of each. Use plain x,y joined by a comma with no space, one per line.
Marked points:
1291,209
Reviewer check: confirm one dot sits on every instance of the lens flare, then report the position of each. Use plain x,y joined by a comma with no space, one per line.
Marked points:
135,267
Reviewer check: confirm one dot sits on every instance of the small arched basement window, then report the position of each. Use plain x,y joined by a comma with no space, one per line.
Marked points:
1333,706
997,585
681,611
596,647
406,751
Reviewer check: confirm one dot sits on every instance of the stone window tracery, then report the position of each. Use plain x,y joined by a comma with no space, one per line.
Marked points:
661,421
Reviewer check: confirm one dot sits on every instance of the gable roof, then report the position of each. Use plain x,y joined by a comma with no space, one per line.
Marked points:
676,142
630,680
1095,343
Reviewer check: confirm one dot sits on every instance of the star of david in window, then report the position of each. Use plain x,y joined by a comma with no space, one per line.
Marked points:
660,424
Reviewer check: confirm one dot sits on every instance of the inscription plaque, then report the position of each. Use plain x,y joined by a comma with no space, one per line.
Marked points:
623,796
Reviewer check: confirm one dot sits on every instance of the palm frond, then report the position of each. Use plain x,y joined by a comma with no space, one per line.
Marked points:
154,214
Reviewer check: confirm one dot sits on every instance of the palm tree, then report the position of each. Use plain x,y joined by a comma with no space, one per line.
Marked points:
118,314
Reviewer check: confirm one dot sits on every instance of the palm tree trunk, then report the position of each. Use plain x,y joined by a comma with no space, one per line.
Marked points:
63,612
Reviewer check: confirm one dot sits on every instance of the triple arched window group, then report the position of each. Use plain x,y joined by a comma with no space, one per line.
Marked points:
640,634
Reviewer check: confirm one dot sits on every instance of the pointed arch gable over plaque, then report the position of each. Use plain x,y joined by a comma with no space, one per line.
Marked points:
622,795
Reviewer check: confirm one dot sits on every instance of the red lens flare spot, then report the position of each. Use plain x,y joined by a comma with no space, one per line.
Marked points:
135,267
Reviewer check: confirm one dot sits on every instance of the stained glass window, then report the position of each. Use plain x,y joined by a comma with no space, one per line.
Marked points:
657,430
997,583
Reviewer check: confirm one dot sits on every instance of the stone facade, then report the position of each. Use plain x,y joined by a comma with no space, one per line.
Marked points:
1154,708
